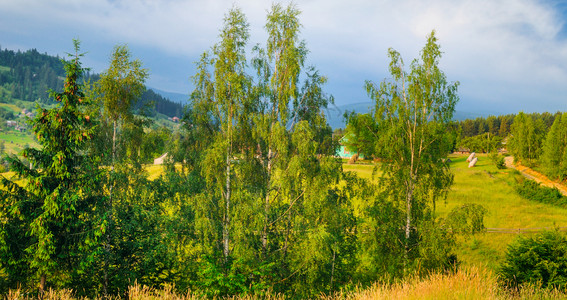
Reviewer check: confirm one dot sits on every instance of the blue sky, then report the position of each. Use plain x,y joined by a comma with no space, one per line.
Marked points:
508,55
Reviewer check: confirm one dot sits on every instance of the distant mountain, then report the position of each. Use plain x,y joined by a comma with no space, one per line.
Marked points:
335,115
183,99
29,75
161,104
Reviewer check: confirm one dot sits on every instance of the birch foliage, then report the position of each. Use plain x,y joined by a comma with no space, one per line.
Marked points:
412,113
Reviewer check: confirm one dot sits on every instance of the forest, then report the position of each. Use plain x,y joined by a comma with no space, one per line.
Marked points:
252,199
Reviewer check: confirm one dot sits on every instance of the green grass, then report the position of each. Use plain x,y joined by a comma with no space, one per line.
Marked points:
492,188
14,142
364,170
11,107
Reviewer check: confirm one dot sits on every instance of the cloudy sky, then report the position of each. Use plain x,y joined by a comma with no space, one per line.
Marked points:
508,55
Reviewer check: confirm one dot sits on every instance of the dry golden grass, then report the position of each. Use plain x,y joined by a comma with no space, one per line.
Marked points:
468,283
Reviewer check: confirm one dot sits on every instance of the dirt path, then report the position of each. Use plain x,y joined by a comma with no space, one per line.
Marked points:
533,175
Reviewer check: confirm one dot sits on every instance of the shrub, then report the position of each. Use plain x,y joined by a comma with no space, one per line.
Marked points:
498,160
532,190
539,259
467,219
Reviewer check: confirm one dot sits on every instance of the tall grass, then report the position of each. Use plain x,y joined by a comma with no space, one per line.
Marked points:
466,283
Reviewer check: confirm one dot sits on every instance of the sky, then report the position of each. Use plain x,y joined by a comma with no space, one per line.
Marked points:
508,55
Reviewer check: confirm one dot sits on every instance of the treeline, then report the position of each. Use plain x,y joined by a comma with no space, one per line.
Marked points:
253,200
496,126
541,142
492,133
29,76
535,139
500,125
158,103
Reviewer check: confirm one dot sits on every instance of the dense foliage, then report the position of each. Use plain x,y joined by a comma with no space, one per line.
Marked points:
253,200
540,259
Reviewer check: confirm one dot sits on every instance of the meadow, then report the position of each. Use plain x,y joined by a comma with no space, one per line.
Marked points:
494,189
14,142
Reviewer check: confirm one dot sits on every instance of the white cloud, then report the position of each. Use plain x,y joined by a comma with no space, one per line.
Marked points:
492,47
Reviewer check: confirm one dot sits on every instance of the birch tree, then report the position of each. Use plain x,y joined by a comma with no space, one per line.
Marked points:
221,95
119,87
412,114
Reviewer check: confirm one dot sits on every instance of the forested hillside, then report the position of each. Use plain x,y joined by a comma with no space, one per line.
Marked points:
29,75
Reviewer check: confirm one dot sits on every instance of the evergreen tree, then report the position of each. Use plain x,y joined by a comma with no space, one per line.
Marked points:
50,224
553,148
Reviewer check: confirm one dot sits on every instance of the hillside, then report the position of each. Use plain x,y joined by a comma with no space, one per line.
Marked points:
28,76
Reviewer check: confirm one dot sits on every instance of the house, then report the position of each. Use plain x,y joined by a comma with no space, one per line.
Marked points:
11,123
343,152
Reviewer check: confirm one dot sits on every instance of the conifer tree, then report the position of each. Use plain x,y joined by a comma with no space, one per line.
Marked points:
49,224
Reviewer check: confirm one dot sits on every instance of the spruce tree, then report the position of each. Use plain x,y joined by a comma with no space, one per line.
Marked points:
48,223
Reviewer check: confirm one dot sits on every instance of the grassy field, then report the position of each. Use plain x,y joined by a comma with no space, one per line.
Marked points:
494,189
363,169
11,107
14,141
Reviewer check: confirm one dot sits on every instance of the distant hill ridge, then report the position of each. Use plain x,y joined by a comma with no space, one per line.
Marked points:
29,75
335,114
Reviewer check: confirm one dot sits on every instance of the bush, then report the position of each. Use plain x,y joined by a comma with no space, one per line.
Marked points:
498,160
539,259
467,219
532,190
